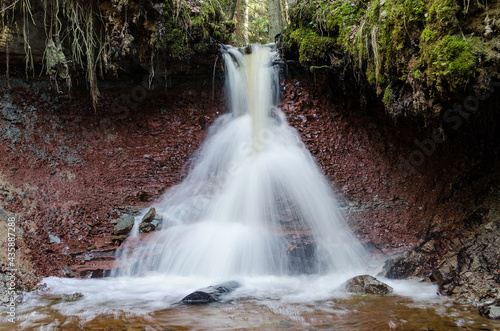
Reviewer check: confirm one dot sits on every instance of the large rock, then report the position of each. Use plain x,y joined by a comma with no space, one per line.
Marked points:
124,225
366,284
210,294
490,311
403,266
301,255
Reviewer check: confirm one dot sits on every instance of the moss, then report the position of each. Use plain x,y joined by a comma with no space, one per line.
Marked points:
408,46
387,98
417,74
442,14
450,61
189,32
315,49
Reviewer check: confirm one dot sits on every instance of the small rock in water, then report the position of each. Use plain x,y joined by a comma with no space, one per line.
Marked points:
490,311
211,293
150,215
19,299
366,284
69,272
72,297
146,227
124,225
301,253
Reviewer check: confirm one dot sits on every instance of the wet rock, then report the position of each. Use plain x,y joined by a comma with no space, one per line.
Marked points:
100,273
19,299
124,225
490,311
211,293
150,215
301,254
69,272
147,224
146,227
54,239
366,284
72,297
402,266
120,238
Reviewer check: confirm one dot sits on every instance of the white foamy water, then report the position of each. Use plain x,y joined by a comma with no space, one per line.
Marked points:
139,296
255,202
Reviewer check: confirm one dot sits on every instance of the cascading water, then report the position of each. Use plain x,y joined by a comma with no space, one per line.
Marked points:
255,202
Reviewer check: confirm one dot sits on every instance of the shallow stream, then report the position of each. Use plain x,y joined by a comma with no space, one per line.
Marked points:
261,303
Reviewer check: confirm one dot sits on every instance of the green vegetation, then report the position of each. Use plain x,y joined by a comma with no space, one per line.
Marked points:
188,31
93,36
394,44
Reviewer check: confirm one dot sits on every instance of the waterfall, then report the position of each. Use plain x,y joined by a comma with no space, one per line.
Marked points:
254,202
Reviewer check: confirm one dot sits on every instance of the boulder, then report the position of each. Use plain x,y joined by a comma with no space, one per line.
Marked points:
210,294
301,255
490,311
403,266
124,225
149,216
366,284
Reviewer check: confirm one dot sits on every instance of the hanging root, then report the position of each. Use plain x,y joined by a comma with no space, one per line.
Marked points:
78,30
376,59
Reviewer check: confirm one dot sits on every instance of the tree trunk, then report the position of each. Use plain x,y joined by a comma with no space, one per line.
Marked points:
241,22
231,10
275,21
245,25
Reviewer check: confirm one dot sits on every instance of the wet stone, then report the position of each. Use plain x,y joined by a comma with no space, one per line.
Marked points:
146,227
366,284
124,225
72,297
402,266
210,294
150,215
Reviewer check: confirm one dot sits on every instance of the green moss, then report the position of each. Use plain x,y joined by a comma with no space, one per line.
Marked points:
417,74
449,61
442,14
188,32
387,98
429,35
397,44
315,49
